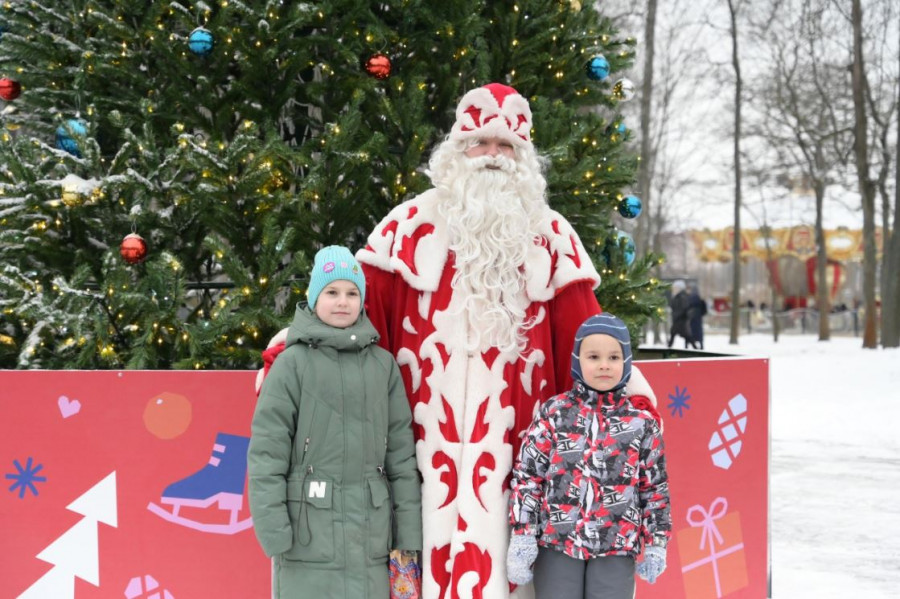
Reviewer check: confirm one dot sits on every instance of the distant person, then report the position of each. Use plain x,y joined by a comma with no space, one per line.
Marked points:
589,490
680,304
696,311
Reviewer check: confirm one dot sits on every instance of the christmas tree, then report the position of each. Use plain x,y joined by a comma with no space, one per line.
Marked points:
168,170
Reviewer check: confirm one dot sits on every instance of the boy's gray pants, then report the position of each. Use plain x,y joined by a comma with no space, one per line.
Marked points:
558,576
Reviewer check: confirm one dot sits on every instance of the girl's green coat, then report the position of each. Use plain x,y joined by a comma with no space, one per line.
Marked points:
333,479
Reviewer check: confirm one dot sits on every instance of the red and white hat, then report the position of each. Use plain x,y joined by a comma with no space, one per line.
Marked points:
495,110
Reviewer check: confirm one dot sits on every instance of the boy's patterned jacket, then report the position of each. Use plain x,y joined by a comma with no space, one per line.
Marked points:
590,479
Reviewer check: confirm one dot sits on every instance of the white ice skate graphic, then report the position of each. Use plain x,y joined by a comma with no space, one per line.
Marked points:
221,481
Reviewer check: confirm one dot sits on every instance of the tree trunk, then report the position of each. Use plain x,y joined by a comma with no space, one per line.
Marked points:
736,244
823,304
866,186
645,168
890,282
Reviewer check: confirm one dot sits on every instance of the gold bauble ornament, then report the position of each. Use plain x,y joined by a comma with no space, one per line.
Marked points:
72,198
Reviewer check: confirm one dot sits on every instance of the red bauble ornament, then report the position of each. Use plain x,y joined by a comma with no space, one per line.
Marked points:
133,248
379,66
10,89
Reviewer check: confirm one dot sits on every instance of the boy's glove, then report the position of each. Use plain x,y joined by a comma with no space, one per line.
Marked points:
522,552
654,563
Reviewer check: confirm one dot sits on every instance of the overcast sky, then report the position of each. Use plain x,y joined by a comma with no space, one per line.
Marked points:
691,39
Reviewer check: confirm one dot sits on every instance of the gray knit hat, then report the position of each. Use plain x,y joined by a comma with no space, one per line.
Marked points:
603,324
334,263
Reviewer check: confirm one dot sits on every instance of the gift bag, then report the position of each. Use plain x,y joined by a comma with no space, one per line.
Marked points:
406,580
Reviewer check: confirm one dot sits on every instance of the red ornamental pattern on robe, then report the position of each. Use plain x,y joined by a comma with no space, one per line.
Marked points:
469,408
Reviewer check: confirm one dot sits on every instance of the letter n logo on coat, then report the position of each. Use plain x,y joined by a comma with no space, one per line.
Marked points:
317,488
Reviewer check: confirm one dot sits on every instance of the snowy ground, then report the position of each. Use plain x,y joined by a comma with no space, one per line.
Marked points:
835,470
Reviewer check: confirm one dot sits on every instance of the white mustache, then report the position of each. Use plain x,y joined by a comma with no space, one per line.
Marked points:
498,162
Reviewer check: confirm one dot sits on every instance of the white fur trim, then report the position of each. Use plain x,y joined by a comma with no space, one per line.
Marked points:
638,385
572,261
280,337
403,236
480,114
406,224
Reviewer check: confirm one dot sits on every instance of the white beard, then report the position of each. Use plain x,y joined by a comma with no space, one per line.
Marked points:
492,215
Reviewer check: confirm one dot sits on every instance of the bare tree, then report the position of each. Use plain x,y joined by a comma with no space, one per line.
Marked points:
890,283
736,246
643,237
673,69
807,115
882,101
867,186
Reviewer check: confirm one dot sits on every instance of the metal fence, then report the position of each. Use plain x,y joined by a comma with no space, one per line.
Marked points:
800,320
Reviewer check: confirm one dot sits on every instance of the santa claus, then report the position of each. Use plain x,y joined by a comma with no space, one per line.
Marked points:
477,287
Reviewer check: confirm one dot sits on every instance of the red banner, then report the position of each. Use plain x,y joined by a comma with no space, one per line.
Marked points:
133,484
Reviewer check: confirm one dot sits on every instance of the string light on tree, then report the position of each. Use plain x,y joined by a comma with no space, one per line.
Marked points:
133,249
378,66
201,41
597,68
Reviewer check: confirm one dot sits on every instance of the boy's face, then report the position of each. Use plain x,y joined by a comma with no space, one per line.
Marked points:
602,362
339,304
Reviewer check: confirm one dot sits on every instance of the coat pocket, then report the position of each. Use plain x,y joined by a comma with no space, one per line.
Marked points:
380,518
314,523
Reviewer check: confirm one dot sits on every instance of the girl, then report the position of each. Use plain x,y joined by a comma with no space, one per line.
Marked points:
333,479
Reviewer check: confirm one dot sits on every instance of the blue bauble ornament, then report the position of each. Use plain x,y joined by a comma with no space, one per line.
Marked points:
67,133
597,68
621,128
630,206
201,41
629,247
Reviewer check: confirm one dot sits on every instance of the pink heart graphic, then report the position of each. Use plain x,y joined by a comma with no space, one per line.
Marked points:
68,407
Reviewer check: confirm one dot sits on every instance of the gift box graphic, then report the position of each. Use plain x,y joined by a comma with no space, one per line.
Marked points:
712,552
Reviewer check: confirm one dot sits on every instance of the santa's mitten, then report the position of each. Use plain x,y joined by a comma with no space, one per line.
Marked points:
653,565
522,552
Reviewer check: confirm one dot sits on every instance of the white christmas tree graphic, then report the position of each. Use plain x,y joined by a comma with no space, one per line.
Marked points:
77,552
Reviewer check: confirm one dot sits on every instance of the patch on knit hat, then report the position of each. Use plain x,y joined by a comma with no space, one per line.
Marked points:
334,263
603,324
494,110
